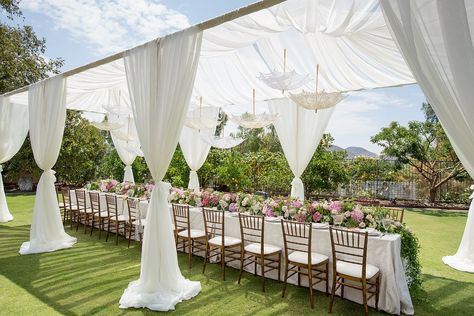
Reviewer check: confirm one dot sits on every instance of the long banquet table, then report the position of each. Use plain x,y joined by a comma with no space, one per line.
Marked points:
383,252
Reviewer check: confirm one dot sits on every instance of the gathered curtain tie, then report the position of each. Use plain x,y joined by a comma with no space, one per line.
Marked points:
50,175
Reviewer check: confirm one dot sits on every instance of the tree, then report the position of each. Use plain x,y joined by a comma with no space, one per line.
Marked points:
22,59
424,146
326,169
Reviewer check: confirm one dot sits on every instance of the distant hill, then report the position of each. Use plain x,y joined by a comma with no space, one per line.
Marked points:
354,151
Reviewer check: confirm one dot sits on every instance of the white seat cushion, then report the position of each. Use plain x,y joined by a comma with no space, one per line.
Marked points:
87,210
255,248
141,221
120,218
302,257
195,233
228,241
102,214
355,270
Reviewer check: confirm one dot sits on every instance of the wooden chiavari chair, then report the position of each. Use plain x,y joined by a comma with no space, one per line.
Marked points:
349,254
135,223
85,213
300,257
190,238
113,216
67,205
217,243
97,213
396,214
255,250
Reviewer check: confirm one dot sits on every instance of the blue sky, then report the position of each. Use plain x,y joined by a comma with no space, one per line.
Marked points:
81,31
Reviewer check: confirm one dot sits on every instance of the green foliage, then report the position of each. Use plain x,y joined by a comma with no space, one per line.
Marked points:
421,145
111,167
371,169
22,164
178,171
22,58
232,173
326,170
410,252
82,150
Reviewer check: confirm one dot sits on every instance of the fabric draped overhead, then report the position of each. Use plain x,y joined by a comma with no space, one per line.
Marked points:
160,76
47,115
349,39
435,39
13,131
299,131
194,148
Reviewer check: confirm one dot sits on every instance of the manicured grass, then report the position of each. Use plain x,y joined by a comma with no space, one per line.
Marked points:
90,278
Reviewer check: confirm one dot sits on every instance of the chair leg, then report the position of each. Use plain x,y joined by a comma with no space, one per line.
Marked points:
377,292
206,254
310,285
242,255
64,215
86,222
129,234
333,291
117,225
108,230
92,226
364,298
327,279
71,219
299,277
263,272
78,220
342,288
101,226
279,267
285,281
190,254
223,263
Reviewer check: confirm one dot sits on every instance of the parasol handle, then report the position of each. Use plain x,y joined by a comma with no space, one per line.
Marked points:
284,60
317,77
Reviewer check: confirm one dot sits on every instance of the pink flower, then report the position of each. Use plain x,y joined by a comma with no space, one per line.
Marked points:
317,217
296,204
205,201
300,217
233,207
357,215
269,213
335,206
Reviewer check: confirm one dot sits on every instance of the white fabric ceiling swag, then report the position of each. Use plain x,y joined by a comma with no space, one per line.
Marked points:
160,77
195,149
441,58
299,131
13,131
47,115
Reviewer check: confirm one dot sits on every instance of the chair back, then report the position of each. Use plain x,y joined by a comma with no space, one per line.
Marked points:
349,246
297,237
396,214
252,229
214,221
81,199
112,207
181,217
66,195
133,209
94,198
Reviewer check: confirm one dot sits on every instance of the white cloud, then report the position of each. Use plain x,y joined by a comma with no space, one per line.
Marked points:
110,26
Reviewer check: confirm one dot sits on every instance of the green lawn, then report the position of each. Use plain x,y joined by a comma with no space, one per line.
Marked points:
90,278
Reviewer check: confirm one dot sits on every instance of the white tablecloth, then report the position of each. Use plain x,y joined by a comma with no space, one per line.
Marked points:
383,252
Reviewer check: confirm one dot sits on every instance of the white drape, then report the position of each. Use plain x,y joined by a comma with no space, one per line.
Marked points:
160,77
194,148
299,131
13,131
47,115
435,40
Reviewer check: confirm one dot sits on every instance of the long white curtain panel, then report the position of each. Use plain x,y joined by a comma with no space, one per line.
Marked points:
435,39
47,115
299,131
13,131
160,77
